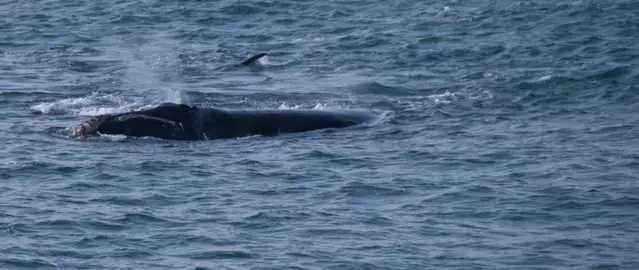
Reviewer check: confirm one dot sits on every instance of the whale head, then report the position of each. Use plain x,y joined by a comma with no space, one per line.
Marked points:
91,126
167,121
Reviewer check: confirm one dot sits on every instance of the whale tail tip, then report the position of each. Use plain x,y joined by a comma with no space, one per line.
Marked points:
251,60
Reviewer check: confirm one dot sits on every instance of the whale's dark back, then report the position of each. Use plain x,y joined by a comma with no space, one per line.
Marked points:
181,122
222,123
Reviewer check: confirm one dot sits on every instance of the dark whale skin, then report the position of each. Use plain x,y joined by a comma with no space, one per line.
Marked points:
181,122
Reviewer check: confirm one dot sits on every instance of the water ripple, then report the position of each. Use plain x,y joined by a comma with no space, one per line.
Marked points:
505,137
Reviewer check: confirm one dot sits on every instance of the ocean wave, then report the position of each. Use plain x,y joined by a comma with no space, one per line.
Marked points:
93,104
611,73
99,104
360,189
545,81
380,89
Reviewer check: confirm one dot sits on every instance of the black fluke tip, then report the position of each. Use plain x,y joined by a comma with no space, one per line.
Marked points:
252,59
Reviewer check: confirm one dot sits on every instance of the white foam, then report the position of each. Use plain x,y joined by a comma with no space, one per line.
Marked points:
545,78
112,137
285,106
59,106
320,106
451,97
247,137
89,105
445,98
96,104
309,40
263,61
98,110
317,106
175,96
481,94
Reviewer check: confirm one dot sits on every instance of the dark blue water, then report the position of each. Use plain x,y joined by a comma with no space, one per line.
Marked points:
507,136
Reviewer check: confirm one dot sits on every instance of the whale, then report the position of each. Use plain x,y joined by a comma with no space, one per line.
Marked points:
172,121
253,59
251,62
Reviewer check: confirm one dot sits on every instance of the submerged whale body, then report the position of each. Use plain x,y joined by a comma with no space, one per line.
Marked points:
182,122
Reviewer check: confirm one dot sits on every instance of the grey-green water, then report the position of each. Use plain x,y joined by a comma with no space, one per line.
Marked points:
508,136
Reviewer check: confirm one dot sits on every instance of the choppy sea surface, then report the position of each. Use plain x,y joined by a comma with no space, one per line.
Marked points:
507,136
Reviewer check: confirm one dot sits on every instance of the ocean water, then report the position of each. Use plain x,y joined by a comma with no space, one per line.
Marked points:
506,139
